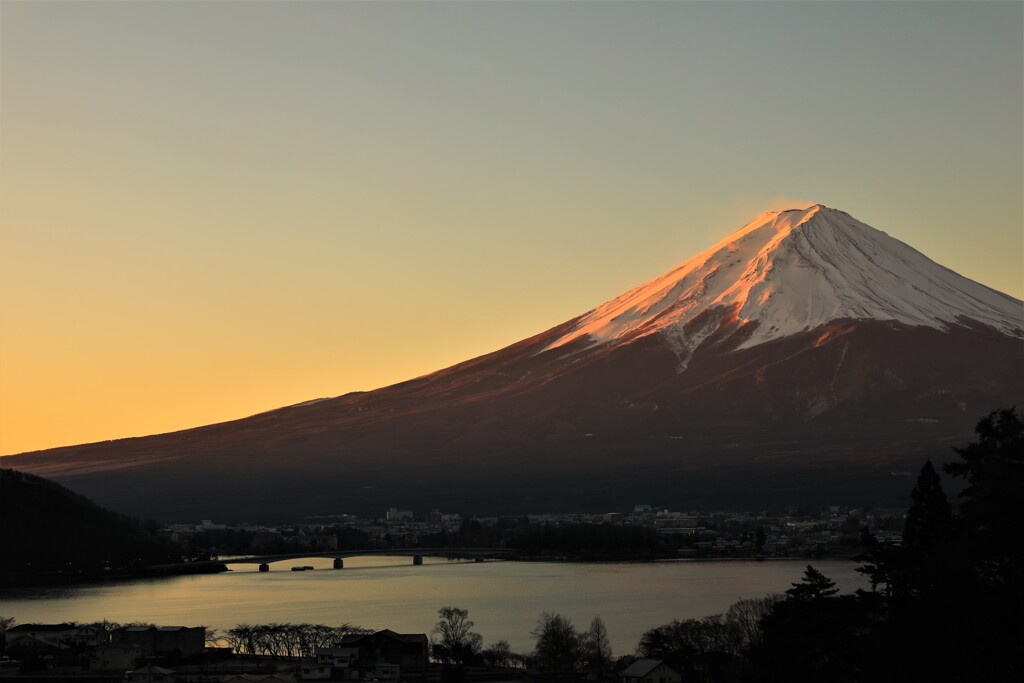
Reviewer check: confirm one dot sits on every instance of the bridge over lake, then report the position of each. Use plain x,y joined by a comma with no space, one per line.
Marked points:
454,553
264,561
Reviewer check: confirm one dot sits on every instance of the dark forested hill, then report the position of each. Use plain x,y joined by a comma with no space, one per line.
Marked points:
45,529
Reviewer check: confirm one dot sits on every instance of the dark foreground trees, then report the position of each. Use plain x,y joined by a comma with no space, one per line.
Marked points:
712,647
954,587
992,505
947,603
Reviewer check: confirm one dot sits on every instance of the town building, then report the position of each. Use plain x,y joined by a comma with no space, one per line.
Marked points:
381,656
651,671
46,638
407,650
121,657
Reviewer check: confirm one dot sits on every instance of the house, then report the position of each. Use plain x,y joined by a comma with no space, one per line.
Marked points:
337,657
651,671
119,657
149,674
93,636
407,650
312,670
383,672
370,659
41,638
330,663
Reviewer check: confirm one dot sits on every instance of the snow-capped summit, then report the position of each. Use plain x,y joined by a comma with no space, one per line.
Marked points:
793,271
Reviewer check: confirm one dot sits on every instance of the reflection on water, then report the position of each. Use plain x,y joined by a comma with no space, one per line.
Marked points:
503,598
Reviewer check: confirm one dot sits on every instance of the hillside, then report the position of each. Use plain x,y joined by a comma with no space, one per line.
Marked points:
45,529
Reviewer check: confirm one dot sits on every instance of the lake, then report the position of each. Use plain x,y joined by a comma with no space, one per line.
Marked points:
503,598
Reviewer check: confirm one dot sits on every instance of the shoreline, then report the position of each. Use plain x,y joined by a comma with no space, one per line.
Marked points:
49,580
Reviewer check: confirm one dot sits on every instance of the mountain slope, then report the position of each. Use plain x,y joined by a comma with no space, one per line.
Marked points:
805,357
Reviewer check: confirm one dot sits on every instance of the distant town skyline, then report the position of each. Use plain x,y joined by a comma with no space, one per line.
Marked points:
214,209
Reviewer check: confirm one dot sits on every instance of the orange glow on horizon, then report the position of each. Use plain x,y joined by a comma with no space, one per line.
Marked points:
210,210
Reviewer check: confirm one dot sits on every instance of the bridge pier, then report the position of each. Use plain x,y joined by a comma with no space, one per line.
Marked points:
339,563
264,567
417,560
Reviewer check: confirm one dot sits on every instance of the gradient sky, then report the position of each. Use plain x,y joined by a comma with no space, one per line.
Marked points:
209,209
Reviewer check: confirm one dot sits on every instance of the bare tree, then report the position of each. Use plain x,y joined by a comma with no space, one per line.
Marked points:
242,639
5,624
558,646
499,654
746,616
595,647
454,638
213,637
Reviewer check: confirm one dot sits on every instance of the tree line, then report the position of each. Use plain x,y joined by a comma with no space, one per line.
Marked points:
543,539
560,649
284,639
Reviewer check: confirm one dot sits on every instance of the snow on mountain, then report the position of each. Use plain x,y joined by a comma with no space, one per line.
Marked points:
792,271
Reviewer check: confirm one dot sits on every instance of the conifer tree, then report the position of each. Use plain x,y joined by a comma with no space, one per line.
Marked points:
813,585
992,505
927,535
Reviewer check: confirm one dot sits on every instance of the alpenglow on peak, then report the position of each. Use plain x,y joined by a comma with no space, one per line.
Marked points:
792,271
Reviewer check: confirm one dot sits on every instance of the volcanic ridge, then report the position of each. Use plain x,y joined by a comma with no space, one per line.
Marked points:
807,357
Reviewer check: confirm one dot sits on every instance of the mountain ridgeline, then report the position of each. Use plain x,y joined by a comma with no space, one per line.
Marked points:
805,358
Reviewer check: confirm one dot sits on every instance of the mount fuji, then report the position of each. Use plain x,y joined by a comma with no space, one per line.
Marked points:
807,357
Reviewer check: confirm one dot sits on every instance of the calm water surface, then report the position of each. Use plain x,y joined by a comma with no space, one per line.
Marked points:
503,598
